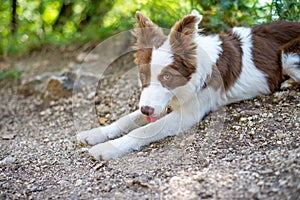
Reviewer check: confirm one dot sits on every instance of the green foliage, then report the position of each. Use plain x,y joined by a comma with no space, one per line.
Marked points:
228,13
286,10
62,22
12,76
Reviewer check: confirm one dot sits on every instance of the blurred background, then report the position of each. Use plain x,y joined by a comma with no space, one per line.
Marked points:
27,25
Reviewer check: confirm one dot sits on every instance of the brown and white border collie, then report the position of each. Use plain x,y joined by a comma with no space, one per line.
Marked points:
195,74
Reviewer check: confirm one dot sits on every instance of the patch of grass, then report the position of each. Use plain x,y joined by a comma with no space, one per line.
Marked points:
10,77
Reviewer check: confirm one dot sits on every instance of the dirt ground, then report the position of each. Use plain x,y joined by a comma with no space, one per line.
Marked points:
247,150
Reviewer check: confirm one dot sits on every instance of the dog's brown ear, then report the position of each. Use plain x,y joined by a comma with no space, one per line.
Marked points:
184,30
143,21
182,36
188,25
148,35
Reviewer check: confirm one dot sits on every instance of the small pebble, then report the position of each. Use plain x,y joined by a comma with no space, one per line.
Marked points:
7,160
63,182
8,136
78,182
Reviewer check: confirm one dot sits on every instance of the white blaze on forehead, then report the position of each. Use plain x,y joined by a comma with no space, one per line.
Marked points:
161,57
155,95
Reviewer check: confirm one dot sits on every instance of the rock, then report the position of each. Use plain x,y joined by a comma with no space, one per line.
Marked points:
63,182
229,158
78,182
35,86
100,165
235,127
45,112
102,120
282,182
84,149
266,171
73,198
8,136
128,182
71,75
253,189
260,183
279,142
7,160
243,119
91,95
51,87
59,87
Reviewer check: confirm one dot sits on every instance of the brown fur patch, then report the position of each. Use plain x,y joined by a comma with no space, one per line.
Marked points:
292,47
175,78
214,81
267,41
229,65
184,49
148,35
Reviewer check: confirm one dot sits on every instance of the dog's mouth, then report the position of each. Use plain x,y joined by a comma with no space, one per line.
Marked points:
153,118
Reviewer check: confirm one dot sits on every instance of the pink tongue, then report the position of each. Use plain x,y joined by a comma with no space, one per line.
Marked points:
151,119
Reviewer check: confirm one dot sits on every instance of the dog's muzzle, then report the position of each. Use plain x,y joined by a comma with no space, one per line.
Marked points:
149,111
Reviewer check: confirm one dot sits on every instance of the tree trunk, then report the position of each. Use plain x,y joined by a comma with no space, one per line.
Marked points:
13,24
98,9
64,15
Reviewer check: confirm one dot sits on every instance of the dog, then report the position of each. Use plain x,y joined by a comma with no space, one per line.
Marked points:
194,74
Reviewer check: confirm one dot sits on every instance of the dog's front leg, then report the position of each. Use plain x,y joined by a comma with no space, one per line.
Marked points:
169,125
121,126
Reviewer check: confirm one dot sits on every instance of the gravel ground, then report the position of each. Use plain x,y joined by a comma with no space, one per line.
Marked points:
247,150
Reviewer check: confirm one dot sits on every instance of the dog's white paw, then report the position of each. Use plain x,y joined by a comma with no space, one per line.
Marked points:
91,137
106,151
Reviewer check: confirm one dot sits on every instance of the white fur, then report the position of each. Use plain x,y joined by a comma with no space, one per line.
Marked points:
121,126
244,87
155,95
290,65
208,50
161,57
196,13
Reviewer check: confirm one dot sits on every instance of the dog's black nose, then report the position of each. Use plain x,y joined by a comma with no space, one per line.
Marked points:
147,110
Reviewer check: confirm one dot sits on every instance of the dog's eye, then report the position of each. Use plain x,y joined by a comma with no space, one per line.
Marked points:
166,76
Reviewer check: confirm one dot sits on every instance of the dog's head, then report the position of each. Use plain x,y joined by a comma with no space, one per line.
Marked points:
166,63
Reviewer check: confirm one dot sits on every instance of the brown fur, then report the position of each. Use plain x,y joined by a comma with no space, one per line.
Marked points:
229,65
214,81
148,35
176,78
184,49
292,47
267,41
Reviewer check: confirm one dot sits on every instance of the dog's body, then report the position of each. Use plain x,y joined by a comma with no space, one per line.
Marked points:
195,74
